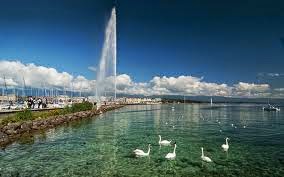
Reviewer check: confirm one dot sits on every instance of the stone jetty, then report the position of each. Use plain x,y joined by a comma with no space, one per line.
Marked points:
13,131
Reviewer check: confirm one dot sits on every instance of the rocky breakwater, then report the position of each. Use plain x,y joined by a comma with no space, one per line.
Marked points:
12,131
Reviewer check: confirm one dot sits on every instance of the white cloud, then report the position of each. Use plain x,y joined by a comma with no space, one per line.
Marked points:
16,73
40,76
8,82
279,89
33,75
242,86
273,74
80,83
123,81
270,74
92,68
187,85
251,89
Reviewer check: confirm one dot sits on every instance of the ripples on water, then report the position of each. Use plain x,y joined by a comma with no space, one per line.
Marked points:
103,146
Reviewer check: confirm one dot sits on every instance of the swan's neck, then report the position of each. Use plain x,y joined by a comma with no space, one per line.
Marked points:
148,150
226,141
202,155
175,149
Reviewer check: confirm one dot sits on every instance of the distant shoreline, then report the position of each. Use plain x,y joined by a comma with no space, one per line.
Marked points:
216,102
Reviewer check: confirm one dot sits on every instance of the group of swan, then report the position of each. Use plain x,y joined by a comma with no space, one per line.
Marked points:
167,143
141,153
172,155
224,146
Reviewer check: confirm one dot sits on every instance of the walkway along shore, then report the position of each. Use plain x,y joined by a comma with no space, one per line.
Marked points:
13,131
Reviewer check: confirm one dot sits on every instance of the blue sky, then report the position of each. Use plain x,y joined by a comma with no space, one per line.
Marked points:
222,41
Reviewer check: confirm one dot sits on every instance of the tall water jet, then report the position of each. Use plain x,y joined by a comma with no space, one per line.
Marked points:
106,72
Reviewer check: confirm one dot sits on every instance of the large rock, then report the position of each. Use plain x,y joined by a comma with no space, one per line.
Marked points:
36,125
26,126
11,132
59,120
13,126
3,137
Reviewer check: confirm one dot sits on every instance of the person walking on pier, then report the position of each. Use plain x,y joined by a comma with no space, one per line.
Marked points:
29,102
33,103
39,103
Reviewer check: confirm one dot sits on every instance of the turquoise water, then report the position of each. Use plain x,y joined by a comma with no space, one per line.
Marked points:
103,146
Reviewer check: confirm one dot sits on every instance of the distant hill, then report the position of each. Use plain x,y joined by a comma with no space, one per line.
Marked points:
216,99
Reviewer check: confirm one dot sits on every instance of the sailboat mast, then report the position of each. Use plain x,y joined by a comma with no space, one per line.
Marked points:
6,89
24,87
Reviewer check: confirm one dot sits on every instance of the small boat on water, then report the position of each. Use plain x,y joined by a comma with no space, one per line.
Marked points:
270,107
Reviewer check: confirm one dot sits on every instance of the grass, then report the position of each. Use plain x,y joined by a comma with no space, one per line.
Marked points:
27,114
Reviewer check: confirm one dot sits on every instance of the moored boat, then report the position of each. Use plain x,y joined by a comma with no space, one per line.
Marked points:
270,107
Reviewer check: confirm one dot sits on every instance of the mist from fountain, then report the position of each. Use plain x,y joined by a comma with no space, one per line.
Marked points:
106,71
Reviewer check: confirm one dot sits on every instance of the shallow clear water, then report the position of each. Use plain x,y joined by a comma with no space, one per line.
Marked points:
103,146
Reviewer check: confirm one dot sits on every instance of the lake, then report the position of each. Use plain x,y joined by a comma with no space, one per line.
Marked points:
103,145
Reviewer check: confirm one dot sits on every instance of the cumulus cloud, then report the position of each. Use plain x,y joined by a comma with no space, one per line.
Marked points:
19,74
92,68
251,89
270,74
241,86
273,74
80,83
8,82
187,85
279,89
39,76
33,75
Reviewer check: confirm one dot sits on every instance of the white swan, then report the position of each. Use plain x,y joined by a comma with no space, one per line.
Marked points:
164,142
141,153
226,146
171,156
204,158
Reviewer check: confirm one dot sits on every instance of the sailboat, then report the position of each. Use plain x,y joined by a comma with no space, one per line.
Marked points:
270,107
5,102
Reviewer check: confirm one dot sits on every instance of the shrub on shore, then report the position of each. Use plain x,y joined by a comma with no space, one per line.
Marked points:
24,115
29,115
85,106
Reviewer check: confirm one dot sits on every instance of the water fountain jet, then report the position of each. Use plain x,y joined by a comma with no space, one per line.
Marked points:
106,72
